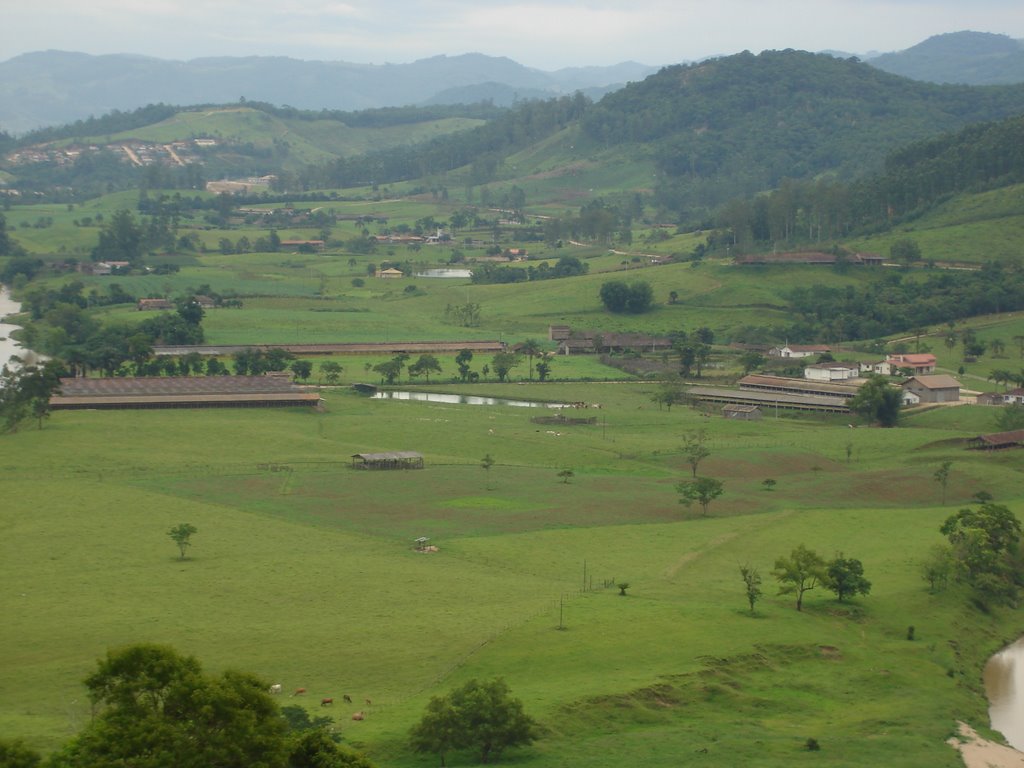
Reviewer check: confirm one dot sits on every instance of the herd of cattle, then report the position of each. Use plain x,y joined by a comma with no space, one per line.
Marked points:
328,701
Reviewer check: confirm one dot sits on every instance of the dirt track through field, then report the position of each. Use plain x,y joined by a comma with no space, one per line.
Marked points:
712,545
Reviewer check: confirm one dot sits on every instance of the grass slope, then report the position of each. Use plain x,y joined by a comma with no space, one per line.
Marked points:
302,572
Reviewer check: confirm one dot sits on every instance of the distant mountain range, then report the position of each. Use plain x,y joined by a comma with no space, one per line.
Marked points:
55,87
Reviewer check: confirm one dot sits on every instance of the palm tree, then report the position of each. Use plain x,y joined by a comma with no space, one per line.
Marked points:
998,346
530,348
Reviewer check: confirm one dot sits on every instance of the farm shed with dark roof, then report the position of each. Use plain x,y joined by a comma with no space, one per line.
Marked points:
388,460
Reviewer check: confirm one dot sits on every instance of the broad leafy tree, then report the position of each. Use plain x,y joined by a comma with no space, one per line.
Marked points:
984,542
503,363
846,577
155,708
482,716
702,490
426,365
878,401
331,371
799,573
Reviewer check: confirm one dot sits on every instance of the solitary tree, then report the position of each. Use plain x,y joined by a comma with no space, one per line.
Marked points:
941,477
801,572
482,716
566,475
703,490
182,535
695,449
752,584
846,577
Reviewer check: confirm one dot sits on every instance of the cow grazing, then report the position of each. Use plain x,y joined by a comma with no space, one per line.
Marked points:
358,716
299,691
326,702
275,688
347,699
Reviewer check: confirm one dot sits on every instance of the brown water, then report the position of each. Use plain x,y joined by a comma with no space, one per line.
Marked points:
1004,686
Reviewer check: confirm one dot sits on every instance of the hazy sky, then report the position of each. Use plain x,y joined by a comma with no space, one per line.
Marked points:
547,34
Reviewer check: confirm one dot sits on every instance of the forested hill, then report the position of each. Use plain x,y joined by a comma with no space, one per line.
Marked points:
738,125
973,58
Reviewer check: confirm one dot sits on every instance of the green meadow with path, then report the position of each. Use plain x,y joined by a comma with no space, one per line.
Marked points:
303,571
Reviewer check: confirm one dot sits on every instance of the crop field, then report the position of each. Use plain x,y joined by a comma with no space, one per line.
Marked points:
303,572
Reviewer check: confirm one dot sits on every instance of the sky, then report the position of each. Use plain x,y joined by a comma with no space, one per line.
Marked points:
545,34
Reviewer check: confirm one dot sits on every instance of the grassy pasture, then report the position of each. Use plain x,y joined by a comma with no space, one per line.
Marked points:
302,572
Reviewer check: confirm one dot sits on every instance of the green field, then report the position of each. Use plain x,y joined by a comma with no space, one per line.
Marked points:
303,572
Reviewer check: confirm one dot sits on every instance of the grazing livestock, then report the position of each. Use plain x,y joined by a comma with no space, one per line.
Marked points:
347,699
299,691
275,688
326,702
358,716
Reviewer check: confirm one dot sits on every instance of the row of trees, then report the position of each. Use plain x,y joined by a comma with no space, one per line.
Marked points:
501,365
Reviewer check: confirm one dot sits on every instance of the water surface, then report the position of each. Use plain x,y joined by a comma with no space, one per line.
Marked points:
1004,685
437,397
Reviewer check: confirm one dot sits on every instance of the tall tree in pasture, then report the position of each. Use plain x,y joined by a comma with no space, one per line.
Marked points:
845,577
878,401
156,708
1010,417
695,449
181,534
905,251
703,490
530,348
751,584
1019,339
941,477
799,573
483,716
998,347
984,542
670,391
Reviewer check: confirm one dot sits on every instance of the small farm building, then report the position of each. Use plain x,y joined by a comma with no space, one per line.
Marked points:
940,388
741,412
831,371
997,440
389,460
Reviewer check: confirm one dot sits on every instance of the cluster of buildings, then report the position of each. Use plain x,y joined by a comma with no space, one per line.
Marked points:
133,151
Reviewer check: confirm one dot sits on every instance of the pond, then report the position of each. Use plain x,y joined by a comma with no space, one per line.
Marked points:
465,274
437,397
1004,686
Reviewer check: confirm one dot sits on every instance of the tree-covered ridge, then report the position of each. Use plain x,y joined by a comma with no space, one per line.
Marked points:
915,178
739,125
